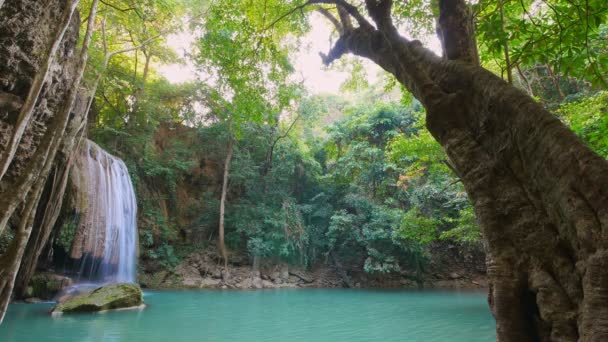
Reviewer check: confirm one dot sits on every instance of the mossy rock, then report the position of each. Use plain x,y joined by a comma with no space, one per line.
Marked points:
46,285
109,297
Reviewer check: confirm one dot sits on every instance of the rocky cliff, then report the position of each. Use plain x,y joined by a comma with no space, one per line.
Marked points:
27,29
38,65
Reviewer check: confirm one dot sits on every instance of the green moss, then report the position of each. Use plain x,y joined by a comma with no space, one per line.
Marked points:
110,297
46,285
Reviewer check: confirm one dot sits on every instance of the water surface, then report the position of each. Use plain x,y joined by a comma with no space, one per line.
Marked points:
315,315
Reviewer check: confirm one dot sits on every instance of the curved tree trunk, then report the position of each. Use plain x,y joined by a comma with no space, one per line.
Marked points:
540,194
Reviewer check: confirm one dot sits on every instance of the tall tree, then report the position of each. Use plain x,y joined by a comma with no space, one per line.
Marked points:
252,83
221,232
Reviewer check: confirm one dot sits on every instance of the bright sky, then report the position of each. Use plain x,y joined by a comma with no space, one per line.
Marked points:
316,77
178,73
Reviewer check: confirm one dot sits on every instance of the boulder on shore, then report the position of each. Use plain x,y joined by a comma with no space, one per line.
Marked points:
108,297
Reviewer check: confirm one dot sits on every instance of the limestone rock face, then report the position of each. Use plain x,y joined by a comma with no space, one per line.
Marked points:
26,31
109,297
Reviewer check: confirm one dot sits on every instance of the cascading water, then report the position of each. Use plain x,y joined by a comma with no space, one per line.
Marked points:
105,243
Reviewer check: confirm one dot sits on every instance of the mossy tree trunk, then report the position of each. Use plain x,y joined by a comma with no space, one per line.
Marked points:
540,194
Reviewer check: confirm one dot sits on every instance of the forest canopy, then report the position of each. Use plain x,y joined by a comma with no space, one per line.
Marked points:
363,153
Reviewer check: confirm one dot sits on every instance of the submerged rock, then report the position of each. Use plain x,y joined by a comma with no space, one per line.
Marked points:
33,300
109,297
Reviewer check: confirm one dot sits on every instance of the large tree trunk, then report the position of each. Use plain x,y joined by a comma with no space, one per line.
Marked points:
540,194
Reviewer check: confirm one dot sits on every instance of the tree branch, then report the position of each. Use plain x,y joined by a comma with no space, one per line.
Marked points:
118,8
332,19
143,44
345,19
380,11
349,8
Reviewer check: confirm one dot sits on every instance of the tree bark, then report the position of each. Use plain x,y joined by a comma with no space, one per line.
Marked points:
540,194
227,161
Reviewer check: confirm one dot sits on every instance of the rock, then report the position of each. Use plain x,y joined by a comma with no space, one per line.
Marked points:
302,277
225,275
47,285
247,283
33,300
191,282
257,283
109,297
209,283
153,280
267,284
284,273
454,275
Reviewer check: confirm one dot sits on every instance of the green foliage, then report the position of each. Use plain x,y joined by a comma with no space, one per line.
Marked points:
419,151
387,178
564,34
5,240
417,227
248,59
466,230
366,230
588,117
165,254
158,236
360,180
66,234
357,80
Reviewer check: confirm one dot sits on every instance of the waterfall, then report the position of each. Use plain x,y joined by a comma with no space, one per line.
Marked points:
105,242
